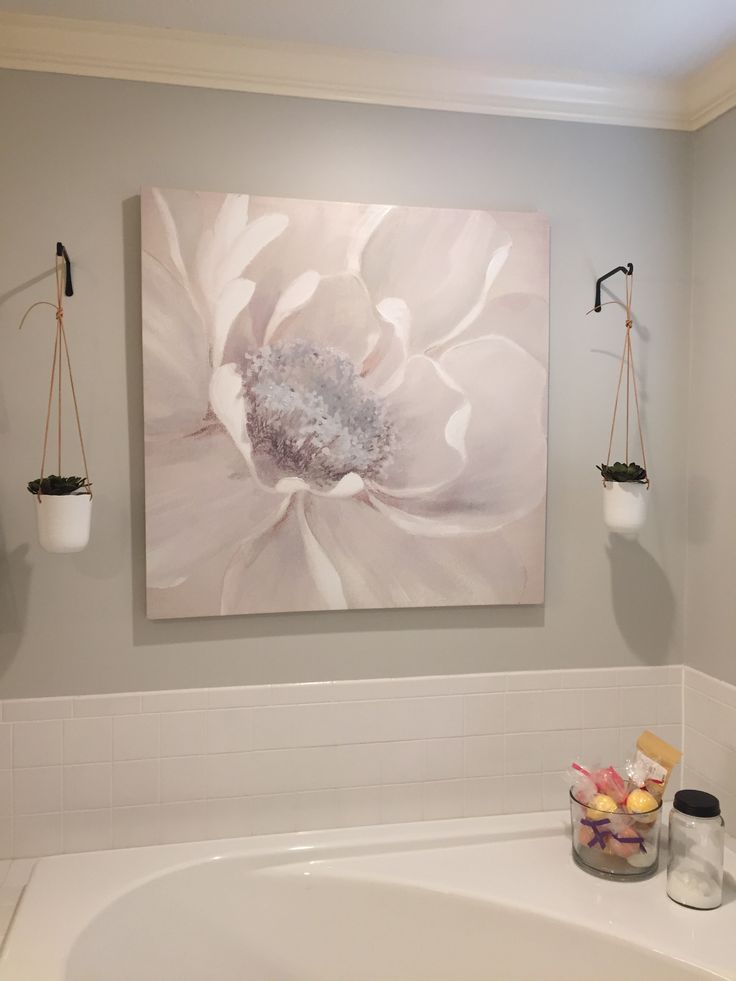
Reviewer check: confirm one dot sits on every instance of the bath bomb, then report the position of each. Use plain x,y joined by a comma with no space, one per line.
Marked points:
640,802
601,806
623,849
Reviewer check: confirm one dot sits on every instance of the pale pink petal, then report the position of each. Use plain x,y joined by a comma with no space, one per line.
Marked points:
200,500
284,570
384,367
440,262
338,314
504,477
520,317
230,304
176,355
429,414
381,566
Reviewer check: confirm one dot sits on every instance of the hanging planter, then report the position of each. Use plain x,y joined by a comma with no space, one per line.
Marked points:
625,485
63,505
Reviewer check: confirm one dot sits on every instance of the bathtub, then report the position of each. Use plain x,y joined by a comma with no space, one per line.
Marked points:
464,900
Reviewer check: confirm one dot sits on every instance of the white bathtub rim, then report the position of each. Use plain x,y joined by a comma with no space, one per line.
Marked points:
63,911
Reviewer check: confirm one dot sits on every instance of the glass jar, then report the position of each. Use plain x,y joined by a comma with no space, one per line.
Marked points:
615,844
695,867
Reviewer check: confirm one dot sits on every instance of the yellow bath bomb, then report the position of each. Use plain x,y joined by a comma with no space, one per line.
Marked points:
640,802
600,806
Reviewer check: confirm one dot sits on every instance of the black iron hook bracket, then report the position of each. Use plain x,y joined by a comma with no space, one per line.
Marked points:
626,270
61,251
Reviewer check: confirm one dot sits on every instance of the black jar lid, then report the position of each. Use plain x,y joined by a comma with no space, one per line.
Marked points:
697,803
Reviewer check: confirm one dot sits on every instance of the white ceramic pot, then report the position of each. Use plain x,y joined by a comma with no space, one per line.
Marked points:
624,507
63,521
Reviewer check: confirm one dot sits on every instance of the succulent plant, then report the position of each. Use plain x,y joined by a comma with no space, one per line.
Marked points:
58,486
623,473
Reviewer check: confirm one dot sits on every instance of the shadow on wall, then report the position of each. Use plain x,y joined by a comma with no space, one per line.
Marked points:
15,581
206,629
643,601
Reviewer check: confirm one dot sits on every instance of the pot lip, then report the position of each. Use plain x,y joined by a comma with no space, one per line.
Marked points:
61,497
624,483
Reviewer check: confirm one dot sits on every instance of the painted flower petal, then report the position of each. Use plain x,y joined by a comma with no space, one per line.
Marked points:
438,262
200,500
504,477
429,414
176,354
520,317
285,569
338,314
379,565
384,367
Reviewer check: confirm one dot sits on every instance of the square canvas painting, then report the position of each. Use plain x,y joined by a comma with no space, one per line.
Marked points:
345,404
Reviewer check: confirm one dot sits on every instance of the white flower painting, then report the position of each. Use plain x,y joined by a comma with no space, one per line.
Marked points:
345,405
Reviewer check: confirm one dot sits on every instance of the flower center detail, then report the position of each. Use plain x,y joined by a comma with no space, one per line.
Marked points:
309,415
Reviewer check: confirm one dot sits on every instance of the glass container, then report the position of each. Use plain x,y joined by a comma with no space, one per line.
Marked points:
695,867
615,844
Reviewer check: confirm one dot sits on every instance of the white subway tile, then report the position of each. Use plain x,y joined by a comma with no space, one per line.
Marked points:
422,718
184,822
599,747
6,746
484,756
229,730
401,802
37,790
555,792
229,817
135,737
36,835
660,674
6,793
301,693
561,710
533,680
402,762
560,749
87,786
37,743
484,714
6,838
184,700
601,708
444,758
524,711
484,796
669,705
523,752
274,814
230,775
87,740
183,778
356,766
358,807
443,799
274,727
590,678
87,831
239,697
468,684
522,793
135,782
36,709
639,705
359,722
183,733
91,706
135,826
316,809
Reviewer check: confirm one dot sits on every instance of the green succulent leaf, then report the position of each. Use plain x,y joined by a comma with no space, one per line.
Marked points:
623,473
53,485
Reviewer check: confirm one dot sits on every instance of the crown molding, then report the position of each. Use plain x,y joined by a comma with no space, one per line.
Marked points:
106,50
712,91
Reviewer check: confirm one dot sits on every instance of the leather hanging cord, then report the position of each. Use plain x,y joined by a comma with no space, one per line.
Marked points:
60,342
627,361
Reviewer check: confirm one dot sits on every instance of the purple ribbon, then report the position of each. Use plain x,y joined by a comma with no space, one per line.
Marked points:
635,840
599,837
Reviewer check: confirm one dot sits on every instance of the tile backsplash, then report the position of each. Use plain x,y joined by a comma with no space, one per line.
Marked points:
710,739
134,769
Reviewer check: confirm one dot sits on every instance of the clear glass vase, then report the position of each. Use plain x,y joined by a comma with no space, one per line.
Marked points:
615,844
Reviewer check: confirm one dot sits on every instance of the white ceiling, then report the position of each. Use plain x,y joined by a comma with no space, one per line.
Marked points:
625,38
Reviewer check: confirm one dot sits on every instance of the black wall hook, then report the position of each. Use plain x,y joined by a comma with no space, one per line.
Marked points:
61,251
626,270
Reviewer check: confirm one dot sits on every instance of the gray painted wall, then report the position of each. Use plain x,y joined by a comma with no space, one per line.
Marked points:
711,578
74,154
